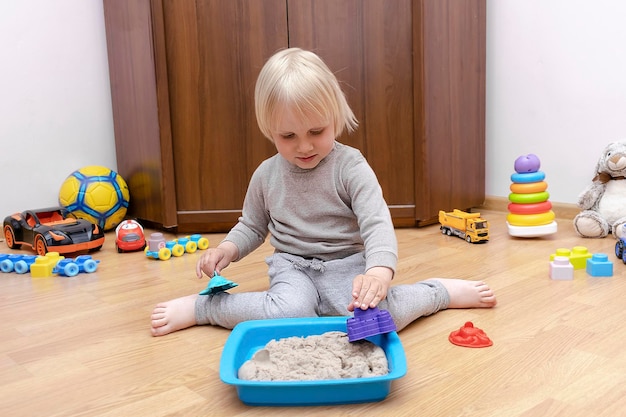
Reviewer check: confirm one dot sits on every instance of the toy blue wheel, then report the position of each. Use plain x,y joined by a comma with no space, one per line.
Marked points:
6,266
71,270
90,266
619,249
21,267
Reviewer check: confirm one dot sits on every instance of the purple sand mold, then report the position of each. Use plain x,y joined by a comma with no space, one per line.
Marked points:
369,322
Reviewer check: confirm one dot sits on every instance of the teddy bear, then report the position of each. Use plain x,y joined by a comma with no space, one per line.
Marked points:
603,202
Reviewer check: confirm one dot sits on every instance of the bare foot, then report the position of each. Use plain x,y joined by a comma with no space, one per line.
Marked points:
468,294
174,315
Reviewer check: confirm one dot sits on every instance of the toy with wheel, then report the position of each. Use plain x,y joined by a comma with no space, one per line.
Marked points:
20,264
189,245
159,248
51,229
201,242
72,267
620,247
129,236
193,243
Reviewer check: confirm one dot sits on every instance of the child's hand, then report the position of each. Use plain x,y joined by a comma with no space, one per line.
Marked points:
216,259
371,288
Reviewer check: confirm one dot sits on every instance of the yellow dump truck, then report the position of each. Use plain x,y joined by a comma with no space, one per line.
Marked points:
468,226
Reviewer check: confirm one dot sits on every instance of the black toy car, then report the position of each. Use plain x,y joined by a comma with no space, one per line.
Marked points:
51,229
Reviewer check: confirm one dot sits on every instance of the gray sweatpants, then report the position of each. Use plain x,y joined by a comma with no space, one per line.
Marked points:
302,287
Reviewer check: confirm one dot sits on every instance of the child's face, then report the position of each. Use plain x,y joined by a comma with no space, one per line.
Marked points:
303,143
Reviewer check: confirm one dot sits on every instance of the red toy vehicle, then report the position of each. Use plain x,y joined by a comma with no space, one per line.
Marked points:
129,236
51,229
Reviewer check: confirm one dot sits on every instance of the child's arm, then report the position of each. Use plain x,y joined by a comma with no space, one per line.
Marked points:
216,259
370,288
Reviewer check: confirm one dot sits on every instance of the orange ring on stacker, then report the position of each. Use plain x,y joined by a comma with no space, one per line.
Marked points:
529,198
530,219
529,187
533,208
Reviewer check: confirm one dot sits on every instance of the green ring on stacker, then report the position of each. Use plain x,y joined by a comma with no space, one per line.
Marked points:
529,198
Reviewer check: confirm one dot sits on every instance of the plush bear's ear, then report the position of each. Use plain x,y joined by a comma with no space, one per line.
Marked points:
601,165
598,169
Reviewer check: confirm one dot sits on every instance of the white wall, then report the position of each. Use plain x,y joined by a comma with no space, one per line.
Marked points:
55,100
556,87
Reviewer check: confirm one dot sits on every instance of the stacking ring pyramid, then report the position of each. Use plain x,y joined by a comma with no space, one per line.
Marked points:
530,211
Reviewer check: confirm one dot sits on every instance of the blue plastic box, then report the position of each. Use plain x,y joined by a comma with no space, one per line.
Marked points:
249,337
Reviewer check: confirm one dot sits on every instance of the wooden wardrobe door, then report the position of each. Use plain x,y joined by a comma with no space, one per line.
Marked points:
215,49
368,44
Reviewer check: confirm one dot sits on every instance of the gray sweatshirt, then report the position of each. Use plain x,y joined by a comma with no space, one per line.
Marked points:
329,212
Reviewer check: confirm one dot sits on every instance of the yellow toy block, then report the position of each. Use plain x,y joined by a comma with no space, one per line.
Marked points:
577,256
43,265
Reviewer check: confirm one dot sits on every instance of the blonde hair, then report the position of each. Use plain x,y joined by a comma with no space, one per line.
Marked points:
300,79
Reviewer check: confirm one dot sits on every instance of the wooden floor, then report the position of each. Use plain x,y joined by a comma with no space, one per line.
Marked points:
81,346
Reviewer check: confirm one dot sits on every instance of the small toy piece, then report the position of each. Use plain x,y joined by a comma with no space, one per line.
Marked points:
71,267
159,248
561,269
620,248
530,211
470,336
603,201
202,242
468,226
599,265
43,265
51,229
370,322
189,245
577,256
129,236
20,264
192,243
218,284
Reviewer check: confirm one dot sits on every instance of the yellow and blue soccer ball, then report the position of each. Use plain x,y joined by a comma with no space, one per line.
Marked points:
97,194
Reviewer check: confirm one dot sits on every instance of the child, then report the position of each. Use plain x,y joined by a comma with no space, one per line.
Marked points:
322,206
